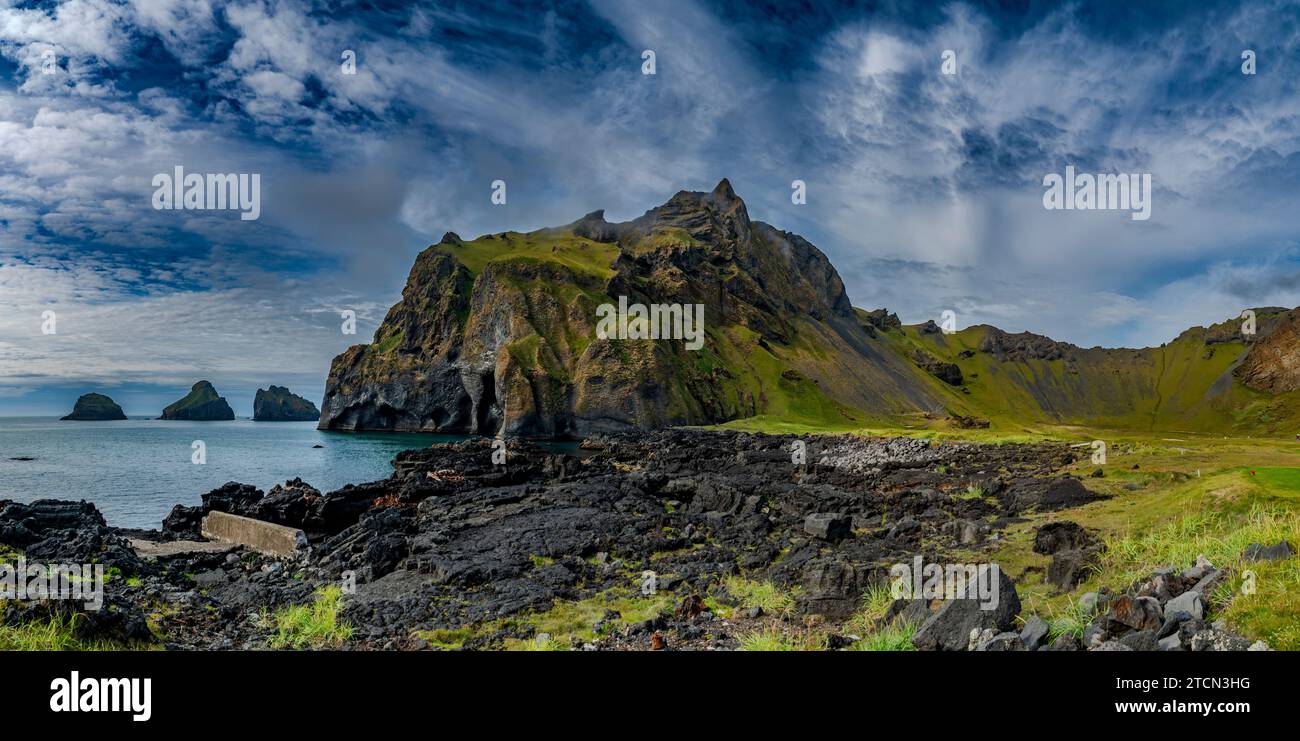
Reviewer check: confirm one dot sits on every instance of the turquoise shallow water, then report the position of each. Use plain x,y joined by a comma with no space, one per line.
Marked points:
136,470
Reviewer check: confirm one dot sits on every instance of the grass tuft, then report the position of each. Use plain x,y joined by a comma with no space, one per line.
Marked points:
315,625
896,636
775,639
765,595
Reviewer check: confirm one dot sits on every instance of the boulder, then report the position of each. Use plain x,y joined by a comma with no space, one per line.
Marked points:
1199,569
1088,602
950,627
1189,603
1071,567
1008,641
1034,633
182,523
828,526
1134,613
1113,646
233,498
1141,640
1173,621
830,588
907,530
1278,552
287,503
1061,536
1045,495
1214,639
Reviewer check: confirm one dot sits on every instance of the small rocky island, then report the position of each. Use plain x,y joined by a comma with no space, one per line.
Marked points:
278,404
201,404
95,407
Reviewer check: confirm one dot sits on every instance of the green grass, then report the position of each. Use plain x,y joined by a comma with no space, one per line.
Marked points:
1282,482
1219,537
388,343
447,638
565,622
314,625
539,643
1070,620
56,634
896,636
1165,514
773,638
551,245
876,599
1270,612
764,595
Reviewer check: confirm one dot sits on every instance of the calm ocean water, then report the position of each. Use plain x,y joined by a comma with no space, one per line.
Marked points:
135,470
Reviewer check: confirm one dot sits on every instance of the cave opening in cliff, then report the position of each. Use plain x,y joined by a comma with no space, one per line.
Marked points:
484,416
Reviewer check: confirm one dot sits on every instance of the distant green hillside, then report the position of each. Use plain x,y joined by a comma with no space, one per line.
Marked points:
1187,384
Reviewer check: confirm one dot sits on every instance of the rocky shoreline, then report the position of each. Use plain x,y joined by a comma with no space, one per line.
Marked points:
457,549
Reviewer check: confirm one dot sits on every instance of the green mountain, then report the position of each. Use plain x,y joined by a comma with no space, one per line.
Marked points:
95,407
201,404
506,333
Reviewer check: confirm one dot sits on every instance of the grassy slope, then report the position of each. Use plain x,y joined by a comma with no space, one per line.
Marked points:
1178,387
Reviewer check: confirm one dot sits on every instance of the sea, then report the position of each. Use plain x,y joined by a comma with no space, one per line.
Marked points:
136,470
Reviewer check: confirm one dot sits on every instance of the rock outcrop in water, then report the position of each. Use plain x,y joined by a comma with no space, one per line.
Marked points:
201,404
277,404
95,407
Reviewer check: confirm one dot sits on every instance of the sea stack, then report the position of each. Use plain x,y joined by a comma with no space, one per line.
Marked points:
201,404
277,404
95,407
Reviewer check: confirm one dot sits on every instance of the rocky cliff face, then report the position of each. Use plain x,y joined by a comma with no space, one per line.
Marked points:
277,404
1273,362
201,404
499,334
95,407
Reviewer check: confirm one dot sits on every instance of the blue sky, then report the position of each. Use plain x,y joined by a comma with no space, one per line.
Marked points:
924,189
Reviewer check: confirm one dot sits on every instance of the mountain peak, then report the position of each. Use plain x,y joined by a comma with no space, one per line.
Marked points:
723,190
593,226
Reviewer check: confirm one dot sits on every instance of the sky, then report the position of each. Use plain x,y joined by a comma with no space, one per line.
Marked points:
925,189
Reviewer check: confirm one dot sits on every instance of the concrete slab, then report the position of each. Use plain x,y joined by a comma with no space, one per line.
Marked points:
266,537
150,549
